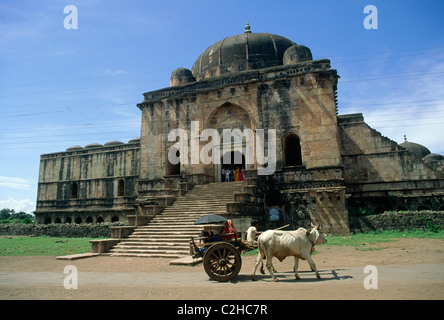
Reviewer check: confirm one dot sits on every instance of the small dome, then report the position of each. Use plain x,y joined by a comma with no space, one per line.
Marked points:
181,76
416,149
113,143
244,51
74,148
433,157
135,140
297,53
94,145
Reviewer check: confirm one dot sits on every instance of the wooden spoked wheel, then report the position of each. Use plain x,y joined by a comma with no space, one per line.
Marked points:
222,262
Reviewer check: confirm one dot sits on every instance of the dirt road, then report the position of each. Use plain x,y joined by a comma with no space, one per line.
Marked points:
405,269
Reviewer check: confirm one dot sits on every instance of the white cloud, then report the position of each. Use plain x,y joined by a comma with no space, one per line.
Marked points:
24,205
410,103
15,183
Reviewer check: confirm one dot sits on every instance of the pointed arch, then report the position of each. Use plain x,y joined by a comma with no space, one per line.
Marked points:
292,150
173,169
121,188
229,116
74,190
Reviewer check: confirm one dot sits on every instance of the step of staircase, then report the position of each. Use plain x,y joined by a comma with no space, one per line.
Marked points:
168,234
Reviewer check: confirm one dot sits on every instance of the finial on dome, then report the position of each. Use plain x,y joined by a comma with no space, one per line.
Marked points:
247,28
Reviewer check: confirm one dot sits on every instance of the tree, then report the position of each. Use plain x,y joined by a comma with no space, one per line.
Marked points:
6,213
9,216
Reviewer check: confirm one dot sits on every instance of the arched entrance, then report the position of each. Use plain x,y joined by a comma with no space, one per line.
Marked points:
231,160
231,121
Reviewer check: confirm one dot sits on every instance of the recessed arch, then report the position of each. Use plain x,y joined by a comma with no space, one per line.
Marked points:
171,168
229,116
74,190
121,188
292,150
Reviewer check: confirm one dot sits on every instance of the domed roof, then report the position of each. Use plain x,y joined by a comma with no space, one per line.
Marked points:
241,52
433,157
113,143
181,76
297,53
93,145
74,148
135,140
415,148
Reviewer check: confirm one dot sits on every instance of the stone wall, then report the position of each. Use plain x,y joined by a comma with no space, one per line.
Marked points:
95,183
58,230
368,157
409,220
380,175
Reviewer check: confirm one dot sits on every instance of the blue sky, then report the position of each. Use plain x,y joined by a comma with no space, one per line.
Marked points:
60,88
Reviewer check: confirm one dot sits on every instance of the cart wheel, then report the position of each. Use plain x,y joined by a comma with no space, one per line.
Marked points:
222,262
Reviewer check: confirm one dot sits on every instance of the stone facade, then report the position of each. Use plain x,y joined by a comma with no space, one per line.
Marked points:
381,175
297,100
326,165
88,185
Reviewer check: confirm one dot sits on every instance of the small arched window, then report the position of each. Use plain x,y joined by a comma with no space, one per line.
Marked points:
74,190
292,150
173,168
121,188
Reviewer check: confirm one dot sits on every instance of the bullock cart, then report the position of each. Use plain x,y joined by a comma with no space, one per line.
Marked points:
221,253
219,250
221,258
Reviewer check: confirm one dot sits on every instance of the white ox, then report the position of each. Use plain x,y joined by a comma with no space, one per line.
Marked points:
282,244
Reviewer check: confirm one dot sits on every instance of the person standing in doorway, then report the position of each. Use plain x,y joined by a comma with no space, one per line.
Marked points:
237,174
227,175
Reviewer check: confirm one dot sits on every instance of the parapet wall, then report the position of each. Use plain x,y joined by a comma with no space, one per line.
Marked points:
59,230
408,220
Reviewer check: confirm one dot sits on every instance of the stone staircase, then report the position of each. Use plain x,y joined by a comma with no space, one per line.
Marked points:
168,234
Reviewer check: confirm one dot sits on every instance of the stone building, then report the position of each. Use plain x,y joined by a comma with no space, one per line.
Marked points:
93,184
326,165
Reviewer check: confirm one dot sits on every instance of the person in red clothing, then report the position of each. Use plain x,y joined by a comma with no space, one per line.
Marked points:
229,232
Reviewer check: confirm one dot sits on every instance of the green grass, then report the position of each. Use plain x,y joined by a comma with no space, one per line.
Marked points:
378,237
363,241
35,246
42,246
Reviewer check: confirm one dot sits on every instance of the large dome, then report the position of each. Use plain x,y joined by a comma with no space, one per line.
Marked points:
415,148
241,52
